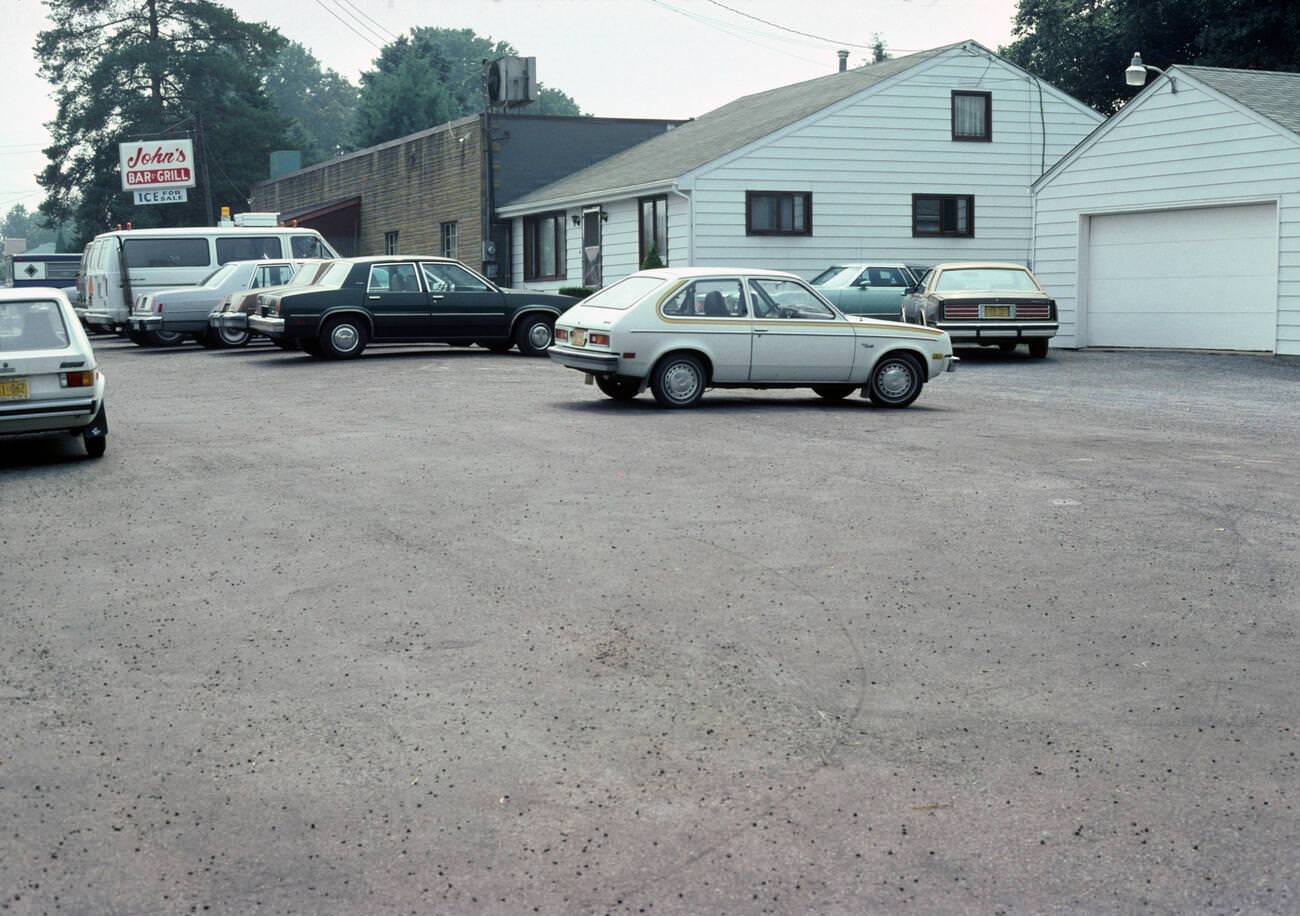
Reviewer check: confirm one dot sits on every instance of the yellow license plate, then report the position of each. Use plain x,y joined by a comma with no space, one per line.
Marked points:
13,389
997,311
578,337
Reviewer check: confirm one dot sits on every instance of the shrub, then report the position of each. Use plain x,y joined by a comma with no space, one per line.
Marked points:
577,292
652,260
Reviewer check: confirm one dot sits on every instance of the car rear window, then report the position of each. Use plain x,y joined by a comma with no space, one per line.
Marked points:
32,325
624,293
162,252
827,275
980,278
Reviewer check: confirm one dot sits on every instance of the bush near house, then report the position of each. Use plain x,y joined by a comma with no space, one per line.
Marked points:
577,292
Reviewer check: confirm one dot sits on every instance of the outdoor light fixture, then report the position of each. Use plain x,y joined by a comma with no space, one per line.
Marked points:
1136,73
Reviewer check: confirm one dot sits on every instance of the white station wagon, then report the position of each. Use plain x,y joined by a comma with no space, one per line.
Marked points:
682,330
49,380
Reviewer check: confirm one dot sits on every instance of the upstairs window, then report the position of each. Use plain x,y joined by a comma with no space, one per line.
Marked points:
544,246
943,215
778,213
972,116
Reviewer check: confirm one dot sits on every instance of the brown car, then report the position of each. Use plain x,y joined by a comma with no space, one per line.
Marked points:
230,320
984,304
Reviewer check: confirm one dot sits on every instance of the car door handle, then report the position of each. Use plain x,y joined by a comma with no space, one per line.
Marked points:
372,297
760,330
437,298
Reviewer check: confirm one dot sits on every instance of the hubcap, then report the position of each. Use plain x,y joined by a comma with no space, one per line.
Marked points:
344,337
168,337
681,381
233,337
539,335
894,380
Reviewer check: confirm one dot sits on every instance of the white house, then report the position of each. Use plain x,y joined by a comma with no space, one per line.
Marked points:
1176,223
921,158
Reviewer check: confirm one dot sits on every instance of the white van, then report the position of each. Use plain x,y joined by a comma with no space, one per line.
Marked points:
118,267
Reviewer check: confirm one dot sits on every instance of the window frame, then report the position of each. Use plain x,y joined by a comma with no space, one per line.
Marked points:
374,265
807,211
741,286
449,231
656,201
970,217
392,243
988,116
531,224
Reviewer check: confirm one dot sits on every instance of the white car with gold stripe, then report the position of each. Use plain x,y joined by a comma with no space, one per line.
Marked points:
49,380
679,331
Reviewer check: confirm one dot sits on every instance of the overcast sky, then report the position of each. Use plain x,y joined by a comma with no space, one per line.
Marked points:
617,58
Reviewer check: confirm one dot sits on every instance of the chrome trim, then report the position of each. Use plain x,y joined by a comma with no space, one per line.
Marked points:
266,325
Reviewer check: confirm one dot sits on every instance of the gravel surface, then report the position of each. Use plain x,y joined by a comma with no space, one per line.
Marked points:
440,631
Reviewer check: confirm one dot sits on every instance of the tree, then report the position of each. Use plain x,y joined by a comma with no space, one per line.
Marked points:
141,69
431,76
20,223
1083,46
652,261
879,52
318,104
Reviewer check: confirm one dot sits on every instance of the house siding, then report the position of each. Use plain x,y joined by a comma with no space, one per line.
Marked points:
1184,149
864,160
619,244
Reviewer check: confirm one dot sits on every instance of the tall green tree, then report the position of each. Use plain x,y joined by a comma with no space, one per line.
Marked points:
318,104
21,223
143,69
430,76
1083,46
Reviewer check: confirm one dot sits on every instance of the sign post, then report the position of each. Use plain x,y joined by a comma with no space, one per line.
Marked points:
158,171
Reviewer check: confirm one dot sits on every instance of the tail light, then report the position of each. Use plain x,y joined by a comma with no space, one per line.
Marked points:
598,340
561,334
84,379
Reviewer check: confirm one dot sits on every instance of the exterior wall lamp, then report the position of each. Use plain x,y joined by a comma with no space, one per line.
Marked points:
1136,73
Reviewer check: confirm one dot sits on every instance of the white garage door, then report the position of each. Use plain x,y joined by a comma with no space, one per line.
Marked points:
1204,278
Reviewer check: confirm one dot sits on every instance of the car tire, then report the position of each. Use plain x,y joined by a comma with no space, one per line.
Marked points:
138,338
834,392
209,340
1007,346
232,338
620,389
896,381
534,334
679,380
164,338
344,337
1038,348
497,346
96,444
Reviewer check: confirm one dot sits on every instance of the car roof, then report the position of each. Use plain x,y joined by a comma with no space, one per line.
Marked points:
858,265
28,293
1011,265
679,273
203,231
386,258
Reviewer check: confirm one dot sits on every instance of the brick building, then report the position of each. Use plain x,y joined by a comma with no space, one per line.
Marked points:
425,193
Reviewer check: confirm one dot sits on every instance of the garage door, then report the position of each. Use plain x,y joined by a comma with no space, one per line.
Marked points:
1203,278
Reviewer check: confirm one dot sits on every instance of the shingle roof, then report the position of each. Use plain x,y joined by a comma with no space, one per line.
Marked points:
713,135
1274,95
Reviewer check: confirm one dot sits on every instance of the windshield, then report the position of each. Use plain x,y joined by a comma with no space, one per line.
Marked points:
624,293
220,275
976,279
832,273
32,325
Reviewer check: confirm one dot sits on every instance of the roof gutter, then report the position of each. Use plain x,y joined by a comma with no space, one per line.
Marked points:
690,209
574,200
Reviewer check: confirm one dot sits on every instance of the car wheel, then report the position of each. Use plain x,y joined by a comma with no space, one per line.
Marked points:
496,346
138,338
620,389
895,381
210,340
164,338
834,392
1038,348
1008,346
233,338
679,380
95,436
344,337
534,334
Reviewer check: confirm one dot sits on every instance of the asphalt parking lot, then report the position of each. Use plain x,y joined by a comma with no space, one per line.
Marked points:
442,631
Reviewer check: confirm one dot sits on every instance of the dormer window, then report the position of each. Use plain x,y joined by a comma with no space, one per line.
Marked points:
972,116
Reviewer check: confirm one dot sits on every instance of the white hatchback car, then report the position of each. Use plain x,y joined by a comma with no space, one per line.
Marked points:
49,381
682,330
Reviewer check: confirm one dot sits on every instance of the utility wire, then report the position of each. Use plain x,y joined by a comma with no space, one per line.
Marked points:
349,26
695,17
355,20
783,28
372,19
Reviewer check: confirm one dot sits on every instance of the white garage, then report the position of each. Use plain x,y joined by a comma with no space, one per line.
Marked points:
1203,278
1177,222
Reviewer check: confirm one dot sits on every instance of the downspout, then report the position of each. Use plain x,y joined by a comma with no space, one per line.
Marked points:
690,204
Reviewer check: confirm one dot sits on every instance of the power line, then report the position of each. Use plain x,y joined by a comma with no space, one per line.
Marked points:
349,26
352,17
703,20
783,28
372,19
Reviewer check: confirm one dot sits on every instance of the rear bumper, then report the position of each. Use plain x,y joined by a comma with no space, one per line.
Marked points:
145,323
231,321
99,318
584,361
997,330
62,415
272,327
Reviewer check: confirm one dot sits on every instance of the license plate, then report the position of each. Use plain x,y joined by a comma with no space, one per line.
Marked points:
578,337
997,311
13,389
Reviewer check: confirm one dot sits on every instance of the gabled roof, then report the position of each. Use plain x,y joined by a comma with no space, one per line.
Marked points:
1270,93
721,131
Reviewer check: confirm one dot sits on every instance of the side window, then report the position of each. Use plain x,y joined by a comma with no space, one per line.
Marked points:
160,252
451,278
787,299
248,248
708,299
393,278
883,276
306,246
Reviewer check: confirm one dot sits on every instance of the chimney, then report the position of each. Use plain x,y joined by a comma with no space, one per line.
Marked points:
844,60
